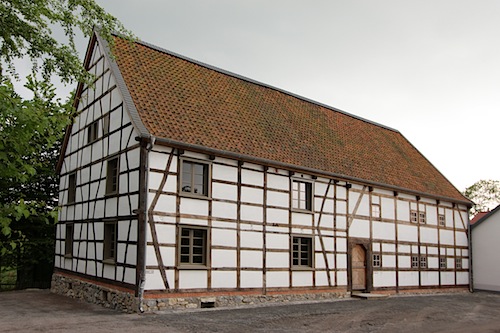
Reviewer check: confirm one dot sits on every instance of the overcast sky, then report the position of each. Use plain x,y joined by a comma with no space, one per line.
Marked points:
428,68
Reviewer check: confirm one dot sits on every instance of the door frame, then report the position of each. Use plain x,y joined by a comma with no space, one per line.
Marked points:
366,244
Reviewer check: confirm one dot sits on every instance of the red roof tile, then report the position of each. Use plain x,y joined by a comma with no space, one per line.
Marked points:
182,100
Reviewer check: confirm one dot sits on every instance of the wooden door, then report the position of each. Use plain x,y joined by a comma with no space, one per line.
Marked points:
358,268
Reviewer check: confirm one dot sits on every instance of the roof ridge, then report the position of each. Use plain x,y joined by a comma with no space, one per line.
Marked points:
265,85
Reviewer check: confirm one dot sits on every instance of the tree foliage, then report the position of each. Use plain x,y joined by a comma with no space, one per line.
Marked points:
485,194
43,33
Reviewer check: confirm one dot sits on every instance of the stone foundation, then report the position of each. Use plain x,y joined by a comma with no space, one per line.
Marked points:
108,297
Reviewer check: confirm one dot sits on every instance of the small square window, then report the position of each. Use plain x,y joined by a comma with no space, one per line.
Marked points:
442,263
112,175
458,263
105,124
68,241
93,132
414,262
193,246
110,240
413,216
442,220
376,260
195,178
423,262
376,211
421,217
301,195
302,252
71,188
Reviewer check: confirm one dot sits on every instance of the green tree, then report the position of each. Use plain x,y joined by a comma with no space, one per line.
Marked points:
32,127
485,194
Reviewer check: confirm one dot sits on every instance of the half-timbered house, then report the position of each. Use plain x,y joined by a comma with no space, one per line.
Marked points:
184,185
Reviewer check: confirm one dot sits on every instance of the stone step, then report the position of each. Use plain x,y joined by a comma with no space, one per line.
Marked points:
364,295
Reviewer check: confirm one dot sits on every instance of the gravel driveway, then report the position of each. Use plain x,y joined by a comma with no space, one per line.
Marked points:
41,311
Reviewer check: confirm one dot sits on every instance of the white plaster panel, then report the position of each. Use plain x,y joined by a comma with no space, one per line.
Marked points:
223,279
224,191
189,279
278,199
448,278
250,227
403,211
341,261
322,279
327,243
465,253
428,235
382,230
341,222
224,210
114,142
341,244
387,207
433,262
327,207
251,213
252,195
449,217
250,239
326,221
277,279
408,279
194,206
431,215
430,278
304,219
223,172
129,275
131,255
446,237
342,278
363,206
278,182
376,247
384,279
450,251
404,261
250,177
251,279
252,259
407,233
462,278
341,207
223,237
277,215
119,273
154,281
302,279
461,238
154,180
388,247
223,258
319,261
165,233
109,272
388,260
359,228
432,250
277,259
111,207
159,160
81,268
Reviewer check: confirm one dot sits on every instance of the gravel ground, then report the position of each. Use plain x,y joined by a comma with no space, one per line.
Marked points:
41,311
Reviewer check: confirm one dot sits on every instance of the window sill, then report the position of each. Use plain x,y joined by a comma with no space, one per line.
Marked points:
68,256
304,211
193,267
109,261
302,269
194,196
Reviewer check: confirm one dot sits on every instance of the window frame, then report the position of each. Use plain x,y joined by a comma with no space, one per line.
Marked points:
458,263
69,238
207,177
110,242
415,262
422,217
112,188
423,261
442,220
71,188
308,193
309,252
377,260
93,132
443,263
378,210
205,247
413,216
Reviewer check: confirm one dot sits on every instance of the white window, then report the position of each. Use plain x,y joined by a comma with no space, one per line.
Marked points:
442,220
376,211
195,178
377,260
301,195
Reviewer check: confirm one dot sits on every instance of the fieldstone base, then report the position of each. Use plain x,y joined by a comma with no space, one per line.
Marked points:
94,293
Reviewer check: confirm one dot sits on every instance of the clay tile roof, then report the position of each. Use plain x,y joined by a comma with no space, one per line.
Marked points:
479,216
183,100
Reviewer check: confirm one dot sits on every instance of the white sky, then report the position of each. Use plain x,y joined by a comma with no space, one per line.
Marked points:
428,68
